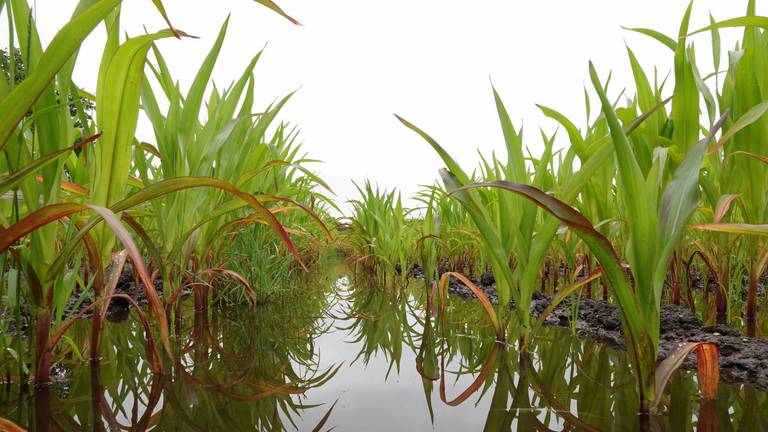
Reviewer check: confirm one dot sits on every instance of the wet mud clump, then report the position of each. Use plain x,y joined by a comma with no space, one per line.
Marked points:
743,360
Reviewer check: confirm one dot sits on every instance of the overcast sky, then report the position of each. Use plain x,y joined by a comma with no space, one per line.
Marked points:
358,62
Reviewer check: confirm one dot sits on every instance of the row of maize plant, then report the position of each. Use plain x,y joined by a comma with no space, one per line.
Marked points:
81,194
665,179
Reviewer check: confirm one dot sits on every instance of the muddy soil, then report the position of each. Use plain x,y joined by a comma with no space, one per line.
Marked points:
743,360
119,308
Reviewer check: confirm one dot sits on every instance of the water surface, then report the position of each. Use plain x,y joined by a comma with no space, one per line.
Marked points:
380,355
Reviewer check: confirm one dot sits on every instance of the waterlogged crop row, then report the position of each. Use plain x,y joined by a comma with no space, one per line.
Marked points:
81,195
643,195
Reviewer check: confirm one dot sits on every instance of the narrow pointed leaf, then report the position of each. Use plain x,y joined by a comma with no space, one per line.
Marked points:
273,6
709,370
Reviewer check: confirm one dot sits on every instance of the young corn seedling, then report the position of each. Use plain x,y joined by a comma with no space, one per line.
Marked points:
514,237
40,142
738,159
381,234
664,224
42,138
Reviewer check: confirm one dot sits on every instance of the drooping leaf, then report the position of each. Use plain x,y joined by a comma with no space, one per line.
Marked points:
723,206
490,363
161,9
562,294
273,6
763,159
664,39
445,279
9,426
239,279
734,228
138,264
709,370
14,178
745,120
636,332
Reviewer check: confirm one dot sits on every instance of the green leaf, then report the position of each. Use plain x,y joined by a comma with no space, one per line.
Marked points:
639,341
745,21
14,178
754,114
117,110
273,6
734,228
664,39
636,200
577,142
66,42
680,199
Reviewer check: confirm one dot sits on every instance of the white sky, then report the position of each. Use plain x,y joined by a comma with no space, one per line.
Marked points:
357,62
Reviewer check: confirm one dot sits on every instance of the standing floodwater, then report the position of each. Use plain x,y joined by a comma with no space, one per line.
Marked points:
282,366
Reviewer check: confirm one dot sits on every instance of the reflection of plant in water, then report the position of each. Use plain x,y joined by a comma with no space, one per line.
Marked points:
562,383
379,323
240,369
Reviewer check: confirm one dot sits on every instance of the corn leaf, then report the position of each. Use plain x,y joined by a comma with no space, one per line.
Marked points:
709,370
66,42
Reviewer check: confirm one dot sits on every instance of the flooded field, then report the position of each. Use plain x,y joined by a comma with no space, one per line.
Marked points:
375,354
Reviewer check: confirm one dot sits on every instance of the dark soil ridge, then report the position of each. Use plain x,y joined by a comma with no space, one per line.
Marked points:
743,360
118,310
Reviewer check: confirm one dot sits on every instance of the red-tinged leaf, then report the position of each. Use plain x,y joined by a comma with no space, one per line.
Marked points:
94,260
176,184
115,271
10,181
273,6
161,9
562,294
635,327
762,159
734,228
148,242
154,358
74,188
325,418
709,369
745,120
723,206
445,278
306,210
68,186
237,277
707,358
600,245
476,384
431,299
560,210
9,426
165,187
708,420
149,148
35,220
138,264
